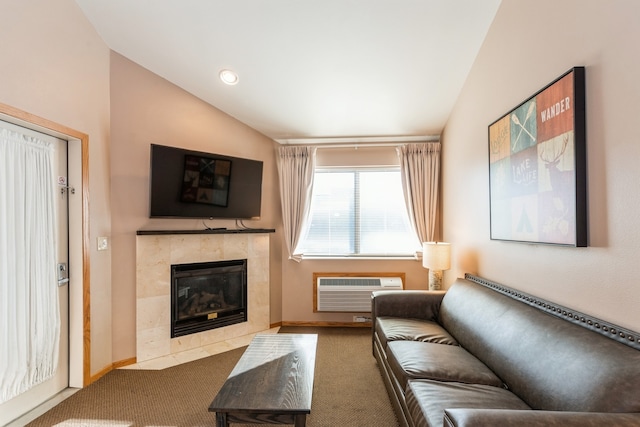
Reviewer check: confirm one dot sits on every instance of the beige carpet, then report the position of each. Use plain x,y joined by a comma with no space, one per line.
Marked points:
348,390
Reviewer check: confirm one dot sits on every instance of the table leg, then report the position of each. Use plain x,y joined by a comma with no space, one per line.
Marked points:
301,420
221,419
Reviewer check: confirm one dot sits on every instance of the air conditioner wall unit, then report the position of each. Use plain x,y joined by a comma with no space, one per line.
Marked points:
351,294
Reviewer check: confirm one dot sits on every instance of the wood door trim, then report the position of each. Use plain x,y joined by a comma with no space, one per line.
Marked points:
41,124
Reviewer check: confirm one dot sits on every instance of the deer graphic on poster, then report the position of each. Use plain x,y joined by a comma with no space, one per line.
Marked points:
551,154
560,182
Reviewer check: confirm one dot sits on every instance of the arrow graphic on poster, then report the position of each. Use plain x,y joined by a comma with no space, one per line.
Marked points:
516,120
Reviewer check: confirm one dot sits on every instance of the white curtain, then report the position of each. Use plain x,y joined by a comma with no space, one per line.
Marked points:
420,170
29,309
296,166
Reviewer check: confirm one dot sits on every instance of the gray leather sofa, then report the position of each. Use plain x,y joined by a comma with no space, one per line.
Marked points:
483,354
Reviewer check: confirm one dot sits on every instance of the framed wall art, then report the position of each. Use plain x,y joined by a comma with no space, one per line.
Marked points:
537,167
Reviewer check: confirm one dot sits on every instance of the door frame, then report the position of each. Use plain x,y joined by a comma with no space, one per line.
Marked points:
79,242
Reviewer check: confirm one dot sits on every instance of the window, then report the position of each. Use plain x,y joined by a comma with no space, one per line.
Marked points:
358,212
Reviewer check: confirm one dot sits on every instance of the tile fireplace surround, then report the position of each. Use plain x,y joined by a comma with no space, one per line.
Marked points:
156,251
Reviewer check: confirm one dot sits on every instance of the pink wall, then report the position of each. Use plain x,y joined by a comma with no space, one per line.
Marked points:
530,43
147,109
55,66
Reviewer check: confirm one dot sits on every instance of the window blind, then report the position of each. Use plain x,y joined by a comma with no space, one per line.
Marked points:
358,212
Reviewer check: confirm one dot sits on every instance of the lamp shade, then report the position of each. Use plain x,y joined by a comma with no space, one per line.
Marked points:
436,255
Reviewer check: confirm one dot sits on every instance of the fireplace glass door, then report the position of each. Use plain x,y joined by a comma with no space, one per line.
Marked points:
208,295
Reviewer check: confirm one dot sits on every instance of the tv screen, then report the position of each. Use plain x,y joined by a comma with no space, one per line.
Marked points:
194,184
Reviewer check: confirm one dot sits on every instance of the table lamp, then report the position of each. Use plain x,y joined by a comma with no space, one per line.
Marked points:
436,256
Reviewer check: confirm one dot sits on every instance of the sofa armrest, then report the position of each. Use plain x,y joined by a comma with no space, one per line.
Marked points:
407,304
462,417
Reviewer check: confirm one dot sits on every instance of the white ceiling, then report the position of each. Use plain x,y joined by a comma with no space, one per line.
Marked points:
308,68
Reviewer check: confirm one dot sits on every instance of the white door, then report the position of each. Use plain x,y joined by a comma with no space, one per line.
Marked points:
42,392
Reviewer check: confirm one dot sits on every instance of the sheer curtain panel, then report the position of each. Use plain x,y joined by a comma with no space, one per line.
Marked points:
296,166
420,170
29,309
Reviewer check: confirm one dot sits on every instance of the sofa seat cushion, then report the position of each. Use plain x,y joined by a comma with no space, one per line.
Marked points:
427,399
415,359
395,328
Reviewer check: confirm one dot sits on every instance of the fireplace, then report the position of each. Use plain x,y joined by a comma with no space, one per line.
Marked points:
207,295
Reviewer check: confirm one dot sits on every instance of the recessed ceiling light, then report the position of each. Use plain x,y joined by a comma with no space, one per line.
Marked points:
228,77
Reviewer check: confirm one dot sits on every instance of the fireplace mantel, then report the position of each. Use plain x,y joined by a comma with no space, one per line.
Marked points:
206,231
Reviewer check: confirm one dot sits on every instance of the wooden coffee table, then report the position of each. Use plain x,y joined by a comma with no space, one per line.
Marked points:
272,383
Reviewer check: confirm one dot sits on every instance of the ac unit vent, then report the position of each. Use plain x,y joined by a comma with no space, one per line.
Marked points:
352,294
350,281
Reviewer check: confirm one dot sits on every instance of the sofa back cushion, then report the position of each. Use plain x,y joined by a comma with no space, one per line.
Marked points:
548,362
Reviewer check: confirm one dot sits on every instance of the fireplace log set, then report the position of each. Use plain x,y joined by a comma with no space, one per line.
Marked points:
203,302
207,295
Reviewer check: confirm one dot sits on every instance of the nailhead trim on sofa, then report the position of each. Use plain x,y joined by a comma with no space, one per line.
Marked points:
606,329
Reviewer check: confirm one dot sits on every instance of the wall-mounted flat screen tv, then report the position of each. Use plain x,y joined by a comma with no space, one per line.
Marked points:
194,184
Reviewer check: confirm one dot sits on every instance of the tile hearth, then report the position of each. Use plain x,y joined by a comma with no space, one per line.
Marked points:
198,353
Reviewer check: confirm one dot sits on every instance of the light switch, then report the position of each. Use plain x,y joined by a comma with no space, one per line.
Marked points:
103,243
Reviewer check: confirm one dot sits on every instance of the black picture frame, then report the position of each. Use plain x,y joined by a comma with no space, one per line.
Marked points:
537,167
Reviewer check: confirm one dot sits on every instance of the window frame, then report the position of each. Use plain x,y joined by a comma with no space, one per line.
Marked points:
357,233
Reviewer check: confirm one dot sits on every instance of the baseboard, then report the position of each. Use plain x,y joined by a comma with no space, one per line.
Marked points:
100,374
114,365
329,324
125,362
